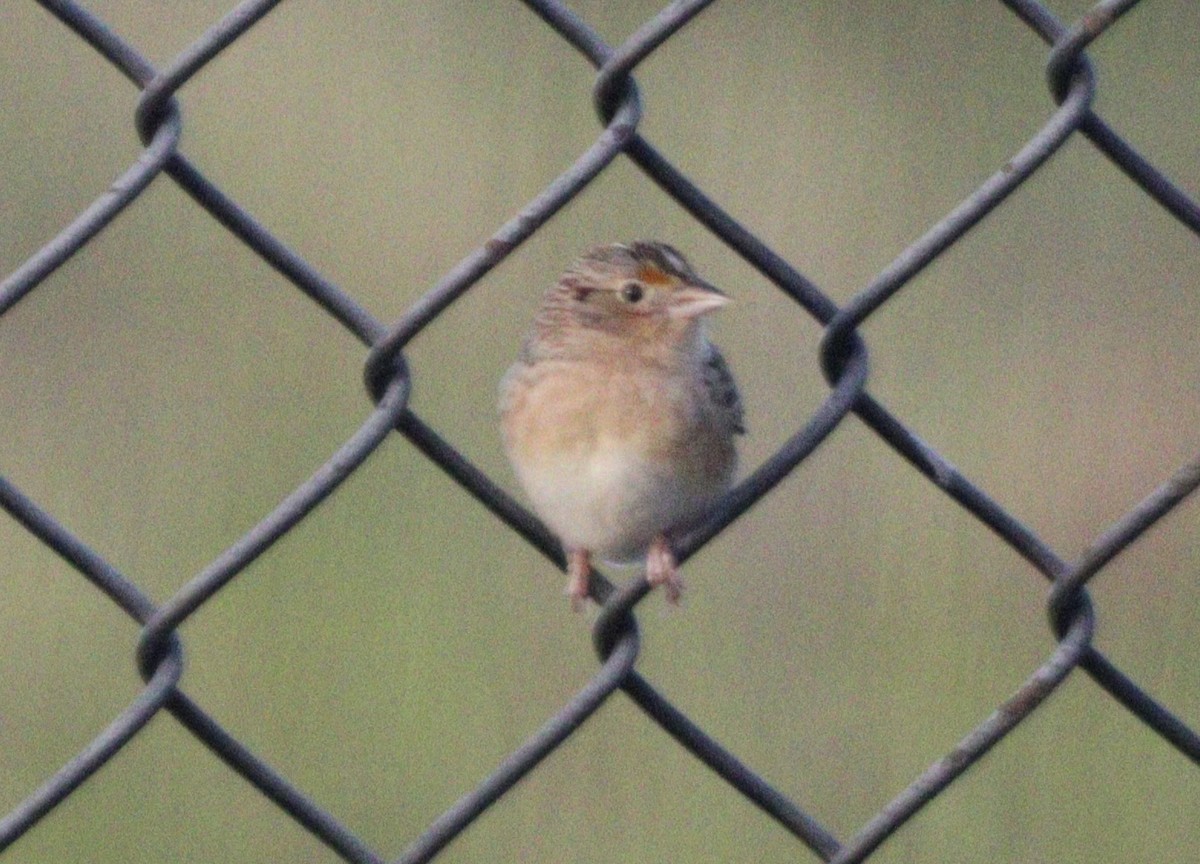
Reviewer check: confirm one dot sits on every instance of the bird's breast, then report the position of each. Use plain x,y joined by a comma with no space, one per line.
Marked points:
612,460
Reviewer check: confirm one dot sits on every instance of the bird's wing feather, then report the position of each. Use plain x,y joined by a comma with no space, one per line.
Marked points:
719,383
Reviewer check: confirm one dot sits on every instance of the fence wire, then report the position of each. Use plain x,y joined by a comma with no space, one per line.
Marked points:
844,355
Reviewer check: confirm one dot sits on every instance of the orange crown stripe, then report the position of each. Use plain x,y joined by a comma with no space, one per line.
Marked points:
652,275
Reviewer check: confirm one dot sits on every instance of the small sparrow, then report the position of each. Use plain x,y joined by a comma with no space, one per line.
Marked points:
619,415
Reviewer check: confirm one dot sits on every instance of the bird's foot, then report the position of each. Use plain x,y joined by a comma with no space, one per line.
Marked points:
579,577
662,570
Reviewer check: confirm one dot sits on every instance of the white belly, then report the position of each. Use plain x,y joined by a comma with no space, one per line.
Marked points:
608,499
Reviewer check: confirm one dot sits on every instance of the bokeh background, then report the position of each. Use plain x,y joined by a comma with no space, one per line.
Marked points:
164,389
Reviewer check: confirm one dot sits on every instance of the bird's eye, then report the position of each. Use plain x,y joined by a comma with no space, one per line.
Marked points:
632,292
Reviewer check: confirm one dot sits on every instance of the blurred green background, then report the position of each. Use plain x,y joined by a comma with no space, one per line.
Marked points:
163,390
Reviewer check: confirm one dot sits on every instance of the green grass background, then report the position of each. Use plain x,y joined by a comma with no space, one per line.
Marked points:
163,390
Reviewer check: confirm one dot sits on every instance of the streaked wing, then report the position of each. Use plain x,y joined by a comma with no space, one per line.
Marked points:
719,383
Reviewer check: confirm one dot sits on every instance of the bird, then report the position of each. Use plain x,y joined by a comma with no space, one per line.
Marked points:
619,415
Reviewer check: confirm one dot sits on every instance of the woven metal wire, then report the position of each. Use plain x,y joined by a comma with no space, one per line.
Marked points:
844,354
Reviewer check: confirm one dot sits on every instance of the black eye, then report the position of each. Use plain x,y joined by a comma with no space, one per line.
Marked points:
632,292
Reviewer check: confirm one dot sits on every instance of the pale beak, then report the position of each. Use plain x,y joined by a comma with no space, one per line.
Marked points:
696,299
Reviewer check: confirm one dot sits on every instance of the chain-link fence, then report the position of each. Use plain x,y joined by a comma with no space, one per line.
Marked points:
161,651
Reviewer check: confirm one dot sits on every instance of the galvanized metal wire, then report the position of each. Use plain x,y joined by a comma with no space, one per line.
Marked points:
844,356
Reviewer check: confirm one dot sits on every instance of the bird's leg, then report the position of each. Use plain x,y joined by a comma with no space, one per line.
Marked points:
579,577
662,570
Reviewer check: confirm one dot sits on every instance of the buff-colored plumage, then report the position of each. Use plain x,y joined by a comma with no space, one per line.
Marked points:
619,415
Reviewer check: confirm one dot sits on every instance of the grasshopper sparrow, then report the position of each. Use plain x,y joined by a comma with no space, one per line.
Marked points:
619,415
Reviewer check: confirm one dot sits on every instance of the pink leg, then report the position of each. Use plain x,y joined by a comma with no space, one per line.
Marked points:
579,577
661,569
